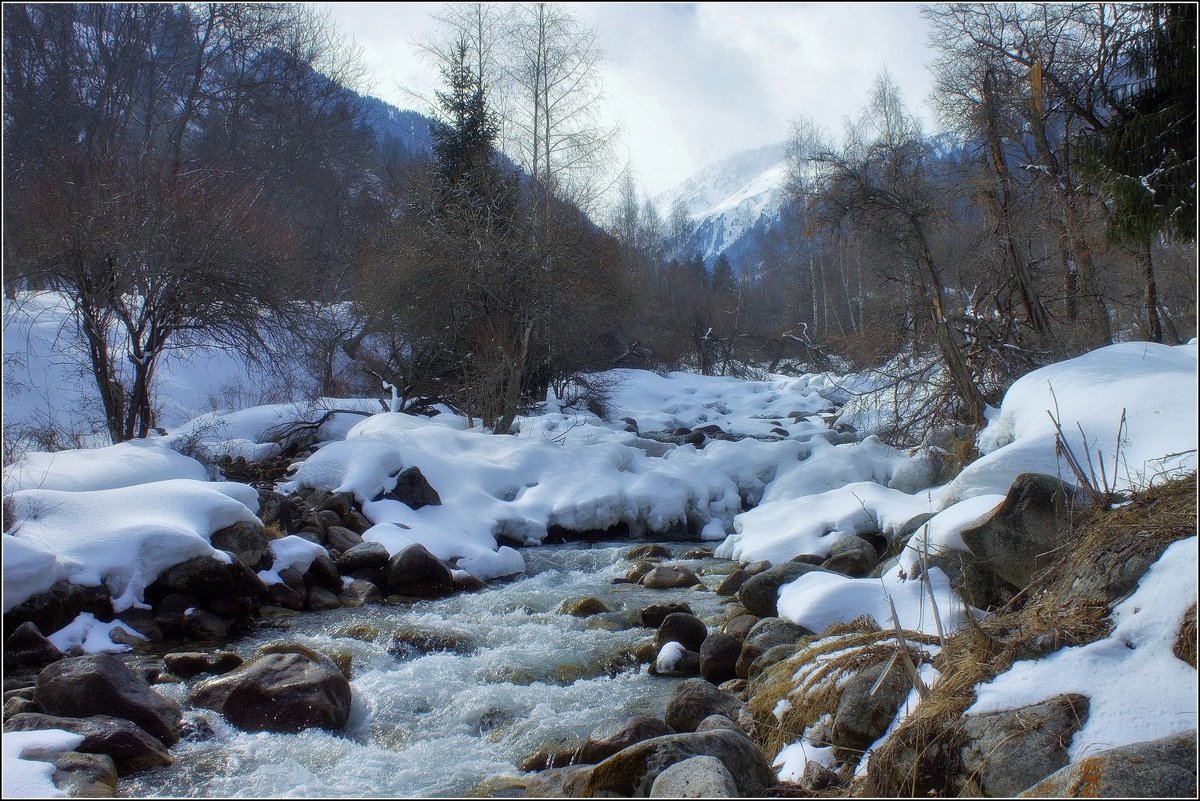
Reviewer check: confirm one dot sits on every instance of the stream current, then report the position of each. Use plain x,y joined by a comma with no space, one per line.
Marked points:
445,723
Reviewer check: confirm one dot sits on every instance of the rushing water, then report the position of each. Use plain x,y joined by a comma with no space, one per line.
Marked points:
443,724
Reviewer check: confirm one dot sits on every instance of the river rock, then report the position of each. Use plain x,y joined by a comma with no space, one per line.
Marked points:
1010,750
340,539
56,607
188,664
1022,536
85,775
280,692
653,616
129,745
360,593
631,772
697,777
851,556
246,541
413,490
675,660
583,607
1163,768
416,572
226,589
760,593
609,738
683,628
568,782
647,551
323,573
414,641
26,647
669,577
322,600
694,700
101,684
764,635
366,556
738,627
718,657
733,582
340,503
861,717
284,596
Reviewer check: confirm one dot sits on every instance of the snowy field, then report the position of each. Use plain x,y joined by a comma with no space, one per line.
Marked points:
786,484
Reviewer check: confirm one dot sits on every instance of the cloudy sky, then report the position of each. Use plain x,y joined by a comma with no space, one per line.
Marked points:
691,83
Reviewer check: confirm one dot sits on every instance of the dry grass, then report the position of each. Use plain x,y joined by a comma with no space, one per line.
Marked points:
274,531
922,755
1185,643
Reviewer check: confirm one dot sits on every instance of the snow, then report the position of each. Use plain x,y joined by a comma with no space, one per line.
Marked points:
122,465
32,778
942,533
123,537
1137,688
91,636
290,551
669,656
793,759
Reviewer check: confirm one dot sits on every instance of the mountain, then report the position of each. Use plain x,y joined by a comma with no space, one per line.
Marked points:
732,203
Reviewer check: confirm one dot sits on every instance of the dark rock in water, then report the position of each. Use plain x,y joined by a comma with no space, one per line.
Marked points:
1024,533
685,629
367,556
200,624
280,692
130,746
1163,768
694,700
188,664
101,684
85,775
26,647
608,739
718,657
244,540
647,551
862,716
56,607
415,571
760,593
143,622
413,490
653,616
360,593
413,641
740,626
631,773
669,577
1008,751
697,777
227,589
583,607
733,582
285,596
322,600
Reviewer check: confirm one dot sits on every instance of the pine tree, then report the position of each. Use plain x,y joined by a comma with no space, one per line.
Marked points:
722,275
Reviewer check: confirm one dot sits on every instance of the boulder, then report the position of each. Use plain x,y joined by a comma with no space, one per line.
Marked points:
697,777
414,641
101,684
131,748
322,600
653,616
862,716
718,657
1009,751
739,626
733,582
631,772
683,628
1023,535
323,573
767,633
771,656
277,509
716,723
85,775
852,556
188,664
341,539
694,700
26,647
609,738
227,589
284,596
280,692
647,551
760,593
56,607
340,503
669,577
414,571
583,607
200,624
675,660
413,490
246,541
568,782
1163,768
360,593
367,556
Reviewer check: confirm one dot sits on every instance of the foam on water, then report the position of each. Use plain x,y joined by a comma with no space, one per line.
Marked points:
442,723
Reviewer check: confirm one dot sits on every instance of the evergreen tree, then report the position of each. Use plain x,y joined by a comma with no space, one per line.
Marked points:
722,275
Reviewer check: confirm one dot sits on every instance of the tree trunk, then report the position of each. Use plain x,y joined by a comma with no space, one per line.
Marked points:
1154,329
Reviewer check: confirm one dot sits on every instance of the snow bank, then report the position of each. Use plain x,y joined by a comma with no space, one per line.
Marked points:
122,465
290,551
29,778
91,636
1138,689
123,537
1154,384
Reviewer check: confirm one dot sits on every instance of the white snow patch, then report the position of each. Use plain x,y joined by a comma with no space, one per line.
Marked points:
31,778
91,635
